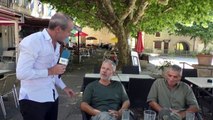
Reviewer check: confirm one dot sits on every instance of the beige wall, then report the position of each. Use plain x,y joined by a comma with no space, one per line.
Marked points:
103,35
149,42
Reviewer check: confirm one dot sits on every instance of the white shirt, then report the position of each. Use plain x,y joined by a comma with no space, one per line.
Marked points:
37,54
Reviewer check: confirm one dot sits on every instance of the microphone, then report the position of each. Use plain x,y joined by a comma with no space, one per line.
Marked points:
116,74
64,59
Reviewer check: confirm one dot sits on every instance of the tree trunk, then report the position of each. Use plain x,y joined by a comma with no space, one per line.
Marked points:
124,55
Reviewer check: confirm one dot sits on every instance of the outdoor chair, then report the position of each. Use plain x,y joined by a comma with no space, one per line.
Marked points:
8,55
130,69
7,87
2,82
96,69
86,81
188,73
138,91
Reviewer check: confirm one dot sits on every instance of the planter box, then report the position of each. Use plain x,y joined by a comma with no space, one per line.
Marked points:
204,59
204,73
203,70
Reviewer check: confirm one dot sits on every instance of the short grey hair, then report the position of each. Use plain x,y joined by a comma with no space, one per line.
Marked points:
110,62
59,19
175,68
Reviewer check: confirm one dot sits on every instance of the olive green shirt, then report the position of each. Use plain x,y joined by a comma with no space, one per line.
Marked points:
105,98
179,98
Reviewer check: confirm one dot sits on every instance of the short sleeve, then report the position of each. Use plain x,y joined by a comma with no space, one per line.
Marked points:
153,93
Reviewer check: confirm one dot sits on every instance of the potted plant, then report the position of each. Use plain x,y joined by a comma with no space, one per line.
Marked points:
205,57
163,65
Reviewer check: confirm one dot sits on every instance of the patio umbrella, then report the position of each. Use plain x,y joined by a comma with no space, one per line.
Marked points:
114,40
139,45
91,38
80,34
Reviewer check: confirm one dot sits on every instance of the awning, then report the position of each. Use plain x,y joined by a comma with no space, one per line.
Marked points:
35,22
8,16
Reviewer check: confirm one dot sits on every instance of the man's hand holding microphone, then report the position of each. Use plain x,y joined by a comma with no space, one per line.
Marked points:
60,68
57,69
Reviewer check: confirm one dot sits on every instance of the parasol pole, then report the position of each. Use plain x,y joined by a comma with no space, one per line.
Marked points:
79,30
78,48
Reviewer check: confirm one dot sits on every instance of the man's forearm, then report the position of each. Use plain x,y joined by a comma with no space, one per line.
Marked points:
88,109
125,105
154,105
193,109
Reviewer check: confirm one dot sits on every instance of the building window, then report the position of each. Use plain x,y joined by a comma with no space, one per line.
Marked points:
157,45
157,34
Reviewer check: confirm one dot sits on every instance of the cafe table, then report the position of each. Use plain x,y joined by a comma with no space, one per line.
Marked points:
203,84
200,82
120,77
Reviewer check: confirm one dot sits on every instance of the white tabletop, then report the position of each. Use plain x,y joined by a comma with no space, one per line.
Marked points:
200,81
120,77
136,76
95,75
4,71
92,75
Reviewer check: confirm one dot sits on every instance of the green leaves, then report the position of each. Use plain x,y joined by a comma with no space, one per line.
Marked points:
159,15
204,31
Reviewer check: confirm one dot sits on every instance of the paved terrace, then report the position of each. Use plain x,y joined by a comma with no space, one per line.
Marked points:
69,107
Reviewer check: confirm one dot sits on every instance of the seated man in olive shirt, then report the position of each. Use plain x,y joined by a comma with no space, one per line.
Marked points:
171,97
105,99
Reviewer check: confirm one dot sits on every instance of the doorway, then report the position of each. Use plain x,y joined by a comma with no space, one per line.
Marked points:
182,48
166,47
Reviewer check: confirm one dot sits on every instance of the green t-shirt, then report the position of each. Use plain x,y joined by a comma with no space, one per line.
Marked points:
180,98
105,98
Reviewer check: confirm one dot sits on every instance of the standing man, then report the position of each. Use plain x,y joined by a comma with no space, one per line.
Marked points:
38,71
172,98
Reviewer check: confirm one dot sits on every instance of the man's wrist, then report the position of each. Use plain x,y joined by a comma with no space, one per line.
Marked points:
50,71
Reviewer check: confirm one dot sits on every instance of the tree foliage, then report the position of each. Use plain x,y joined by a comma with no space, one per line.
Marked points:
125,17
197,30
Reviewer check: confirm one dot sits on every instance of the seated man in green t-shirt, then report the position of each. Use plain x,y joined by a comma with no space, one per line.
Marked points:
105,99
170,97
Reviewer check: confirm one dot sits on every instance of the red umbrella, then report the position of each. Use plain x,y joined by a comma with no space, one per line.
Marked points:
80,34
139,45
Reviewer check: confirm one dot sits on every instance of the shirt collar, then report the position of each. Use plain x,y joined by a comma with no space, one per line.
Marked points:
46,35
